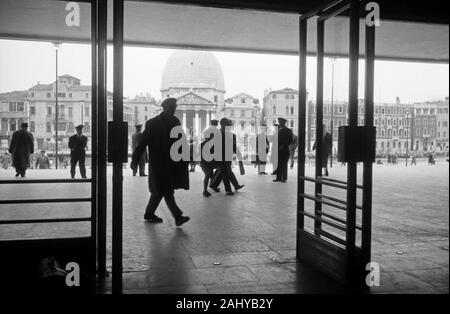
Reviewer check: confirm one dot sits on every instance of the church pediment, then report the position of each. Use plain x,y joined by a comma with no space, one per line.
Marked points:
193,99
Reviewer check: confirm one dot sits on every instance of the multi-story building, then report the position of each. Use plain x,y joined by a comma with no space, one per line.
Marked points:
281,103
244,111
38,106
442,132
143,107
424,126
14,110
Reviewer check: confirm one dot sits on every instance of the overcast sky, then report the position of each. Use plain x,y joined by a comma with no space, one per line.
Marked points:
24,63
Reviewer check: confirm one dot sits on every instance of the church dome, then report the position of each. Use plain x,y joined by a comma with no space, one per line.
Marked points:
192,69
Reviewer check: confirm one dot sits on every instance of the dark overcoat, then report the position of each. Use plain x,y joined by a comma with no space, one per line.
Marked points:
78,146
164,174
20,148
136,139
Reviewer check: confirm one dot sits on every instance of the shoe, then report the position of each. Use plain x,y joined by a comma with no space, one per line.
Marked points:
206,194
230,193
143,175
17,175
263,173
239,187
217,190
276,180
134,174
181,220
153,219
284,181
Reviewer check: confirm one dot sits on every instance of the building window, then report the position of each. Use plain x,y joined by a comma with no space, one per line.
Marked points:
382,110
417,121
32,127
32,110
146,108
87,95
12,125
274,96
340,109
146,117
292,97
292,123
87,127
70,111
292,110
32,94
425,122
417,132
215,98
444,123
49,127
49,110
287,110
382,133
70,95
274,110
231,113
70,127
432,131
243,113
49,95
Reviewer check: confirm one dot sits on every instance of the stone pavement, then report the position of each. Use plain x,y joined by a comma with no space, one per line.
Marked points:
246,243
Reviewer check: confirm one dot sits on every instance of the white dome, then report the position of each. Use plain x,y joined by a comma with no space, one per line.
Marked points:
192,69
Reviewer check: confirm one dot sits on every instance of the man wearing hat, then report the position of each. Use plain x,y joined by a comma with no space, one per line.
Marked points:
20,148
212,129
77,145
225,172
284,140
136,139
164,174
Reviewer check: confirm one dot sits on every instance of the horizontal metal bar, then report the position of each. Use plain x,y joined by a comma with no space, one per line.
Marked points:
55,200
344,187
338,200
4,242
334,217
35,221
325,221
34,181
313,198
339,181
332,237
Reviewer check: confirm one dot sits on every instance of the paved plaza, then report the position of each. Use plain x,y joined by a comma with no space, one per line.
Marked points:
246,243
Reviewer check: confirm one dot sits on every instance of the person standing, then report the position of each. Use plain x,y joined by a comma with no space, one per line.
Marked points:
136,139
42,161
229,149
292,148
20,148
164,174
326,148
262,150
212,129
5,160
284,140
207,166
77,145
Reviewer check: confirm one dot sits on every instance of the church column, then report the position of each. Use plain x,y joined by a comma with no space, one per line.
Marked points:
196,123
184,120
208,117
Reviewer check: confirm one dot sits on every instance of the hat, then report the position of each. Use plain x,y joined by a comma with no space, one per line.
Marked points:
169,102
281,120
225,122
79,126
214,122
24,125
138,126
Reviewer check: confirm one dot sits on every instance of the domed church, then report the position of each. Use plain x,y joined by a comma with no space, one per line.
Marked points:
195,78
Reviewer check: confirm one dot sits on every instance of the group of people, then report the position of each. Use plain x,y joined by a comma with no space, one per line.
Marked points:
21,149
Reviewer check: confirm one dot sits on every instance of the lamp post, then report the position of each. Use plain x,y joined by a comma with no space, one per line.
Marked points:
333,61
407,144
56,45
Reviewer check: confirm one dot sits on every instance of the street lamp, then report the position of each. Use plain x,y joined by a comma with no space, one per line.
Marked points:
333,62
56,45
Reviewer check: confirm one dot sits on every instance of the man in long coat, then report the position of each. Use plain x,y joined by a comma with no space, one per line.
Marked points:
164,174
21,146
77,145
284,140
326,148
136,139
